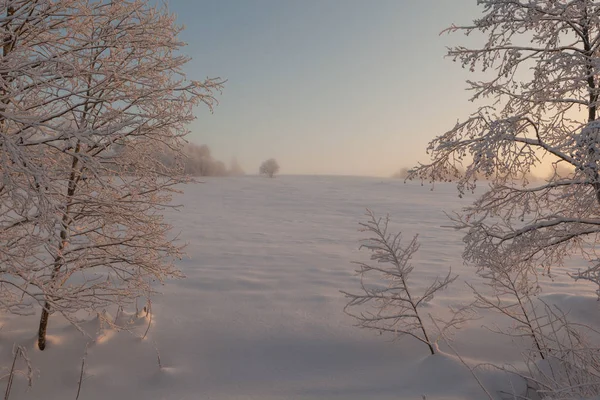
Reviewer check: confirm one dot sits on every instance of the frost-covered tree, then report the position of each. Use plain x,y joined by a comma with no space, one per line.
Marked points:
197,160
269,168
389,302
200,159
89,91
538,105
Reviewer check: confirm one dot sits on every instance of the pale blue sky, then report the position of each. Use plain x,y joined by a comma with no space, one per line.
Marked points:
354,87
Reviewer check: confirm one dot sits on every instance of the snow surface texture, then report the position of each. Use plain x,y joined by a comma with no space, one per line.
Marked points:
260,313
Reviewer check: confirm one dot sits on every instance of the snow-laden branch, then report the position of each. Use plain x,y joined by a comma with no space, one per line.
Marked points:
538,107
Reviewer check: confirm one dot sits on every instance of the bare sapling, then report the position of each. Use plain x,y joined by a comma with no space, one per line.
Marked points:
561,359
19,352
393,304
509,290
572,367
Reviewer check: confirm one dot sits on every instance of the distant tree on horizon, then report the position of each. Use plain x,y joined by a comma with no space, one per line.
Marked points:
269,168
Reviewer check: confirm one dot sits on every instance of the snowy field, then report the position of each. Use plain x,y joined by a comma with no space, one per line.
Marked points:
260,313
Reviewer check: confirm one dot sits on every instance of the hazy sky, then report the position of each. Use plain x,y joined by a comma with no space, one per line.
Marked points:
354,87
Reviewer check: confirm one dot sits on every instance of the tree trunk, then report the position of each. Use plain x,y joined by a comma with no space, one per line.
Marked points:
43,325
58,261
593,94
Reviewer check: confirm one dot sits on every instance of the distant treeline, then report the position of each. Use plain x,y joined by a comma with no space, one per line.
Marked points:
458,173
559,169
198,161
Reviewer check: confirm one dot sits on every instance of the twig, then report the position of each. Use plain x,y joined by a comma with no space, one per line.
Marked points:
157,356
19,351
82,372
12,374
148,308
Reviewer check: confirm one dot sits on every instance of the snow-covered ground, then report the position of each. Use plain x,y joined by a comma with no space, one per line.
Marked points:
259,315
